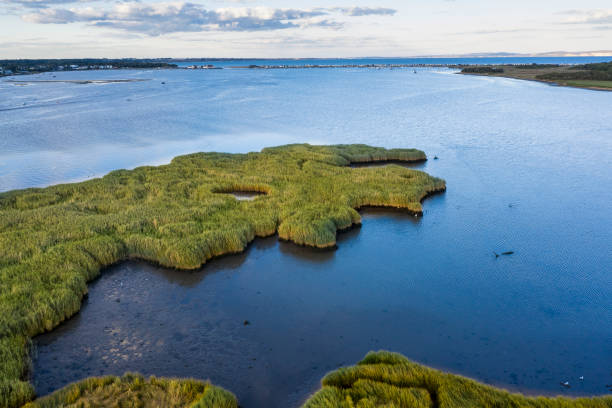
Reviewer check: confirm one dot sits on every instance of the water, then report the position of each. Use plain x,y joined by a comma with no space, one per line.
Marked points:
58,132
528,169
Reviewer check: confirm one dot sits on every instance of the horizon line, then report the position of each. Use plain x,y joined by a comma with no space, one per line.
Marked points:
554,54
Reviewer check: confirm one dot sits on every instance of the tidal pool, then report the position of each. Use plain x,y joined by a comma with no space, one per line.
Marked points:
245,195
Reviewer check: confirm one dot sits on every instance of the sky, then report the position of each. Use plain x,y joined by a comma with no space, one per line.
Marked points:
291,29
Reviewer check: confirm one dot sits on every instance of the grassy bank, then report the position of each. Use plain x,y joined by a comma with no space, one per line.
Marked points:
133,390
382,379
56,239
589,76
600,85
390,380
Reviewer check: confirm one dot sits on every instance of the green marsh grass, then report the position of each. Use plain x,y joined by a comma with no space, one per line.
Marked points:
133,390
590,84
590,76
384,379
54,240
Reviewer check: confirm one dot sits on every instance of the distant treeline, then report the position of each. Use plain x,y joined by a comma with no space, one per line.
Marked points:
535,66
482,70
45,65
595,72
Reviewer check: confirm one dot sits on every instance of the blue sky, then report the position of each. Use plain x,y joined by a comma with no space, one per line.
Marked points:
272,28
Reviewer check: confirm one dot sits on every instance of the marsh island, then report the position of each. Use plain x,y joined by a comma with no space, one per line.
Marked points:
54,240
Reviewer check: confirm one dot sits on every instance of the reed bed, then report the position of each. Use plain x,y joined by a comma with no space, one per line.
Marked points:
133,390
54,240
391,380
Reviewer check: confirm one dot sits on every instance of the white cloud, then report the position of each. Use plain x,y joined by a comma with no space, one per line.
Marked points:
366,11
587,16
38,3
162,18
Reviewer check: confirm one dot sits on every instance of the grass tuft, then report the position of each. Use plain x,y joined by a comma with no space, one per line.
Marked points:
133,390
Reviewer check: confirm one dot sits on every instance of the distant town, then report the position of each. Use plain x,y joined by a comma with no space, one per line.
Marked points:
20,67
592,72
17,67
208,66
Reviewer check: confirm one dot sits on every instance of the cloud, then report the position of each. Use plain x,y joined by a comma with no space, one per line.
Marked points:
51,16
162,18
38,3
587,16
366,11
496,31
334,25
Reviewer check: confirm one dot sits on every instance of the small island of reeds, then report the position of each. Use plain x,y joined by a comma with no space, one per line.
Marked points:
54,240
384,379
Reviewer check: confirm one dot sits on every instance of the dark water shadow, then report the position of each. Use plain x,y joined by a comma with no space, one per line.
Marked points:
315,255
393,214
189,279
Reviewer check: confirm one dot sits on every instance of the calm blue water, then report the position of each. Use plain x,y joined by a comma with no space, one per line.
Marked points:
528,168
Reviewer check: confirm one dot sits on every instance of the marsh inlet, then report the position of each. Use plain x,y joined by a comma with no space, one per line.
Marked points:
420,164
311,312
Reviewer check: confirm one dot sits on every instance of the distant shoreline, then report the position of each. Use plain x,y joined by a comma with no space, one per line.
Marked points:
375,66
567,75
77,81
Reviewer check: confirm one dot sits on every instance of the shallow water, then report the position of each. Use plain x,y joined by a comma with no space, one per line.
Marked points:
528,168
245,195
